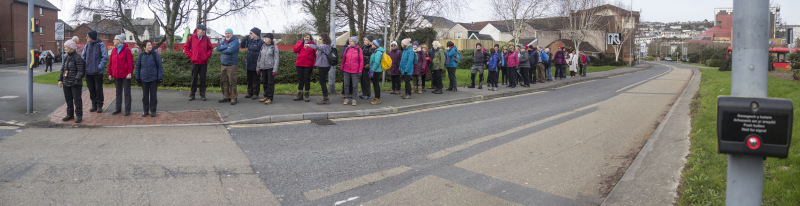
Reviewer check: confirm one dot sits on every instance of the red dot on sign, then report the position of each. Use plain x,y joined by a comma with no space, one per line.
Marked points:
753,143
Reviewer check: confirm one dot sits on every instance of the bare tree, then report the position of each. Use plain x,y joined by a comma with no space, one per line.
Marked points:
582,19
624,24
515,14
294,32
318,9
170,14
403,15
109,9
210,10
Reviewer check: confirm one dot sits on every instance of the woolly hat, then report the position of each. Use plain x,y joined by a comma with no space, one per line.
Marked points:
406,42
479,44
121,37
70,44
394,43
354,39
370,38
256,31
377,42
201,27
229,30
416,43
436,44
270,36
93,35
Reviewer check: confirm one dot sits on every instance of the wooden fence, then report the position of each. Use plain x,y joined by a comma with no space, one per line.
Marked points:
470,43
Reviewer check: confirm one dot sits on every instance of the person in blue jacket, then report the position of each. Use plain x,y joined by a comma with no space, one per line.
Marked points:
149,73
493,64
407,65
452,63
96,57
230,63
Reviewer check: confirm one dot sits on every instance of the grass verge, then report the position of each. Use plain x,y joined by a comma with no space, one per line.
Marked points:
695,64
704,176
462,75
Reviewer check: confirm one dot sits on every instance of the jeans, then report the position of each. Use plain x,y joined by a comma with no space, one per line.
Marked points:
365,82
504,74
547,71
228,83
253,82
323,79
582,70
437,79
124,88
560,71
269,84
492,79
376,83
349,88
407,79
72,95
350,79
149,96
451,74
396,82
198,74
303,78
95,85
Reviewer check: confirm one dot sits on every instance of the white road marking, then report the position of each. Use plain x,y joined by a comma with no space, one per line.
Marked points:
347,200
8,97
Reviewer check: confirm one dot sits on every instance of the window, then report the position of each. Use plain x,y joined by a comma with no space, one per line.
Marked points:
41,29
41,12
458,35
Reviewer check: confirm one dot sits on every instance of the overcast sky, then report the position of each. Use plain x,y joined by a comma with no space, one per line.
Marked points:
277,16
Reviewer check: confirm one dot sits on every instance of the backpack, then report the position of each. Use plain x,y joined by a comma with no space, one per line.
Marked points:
457,57
386,62
333,60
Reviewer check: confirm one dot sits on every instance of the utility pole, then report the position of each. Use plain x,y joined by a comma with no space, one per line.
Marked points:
30,58
749,79
332,72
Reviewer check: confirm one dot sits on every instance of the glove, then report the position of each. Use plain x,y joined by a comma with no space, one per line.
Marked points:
274,74
258,72
371,73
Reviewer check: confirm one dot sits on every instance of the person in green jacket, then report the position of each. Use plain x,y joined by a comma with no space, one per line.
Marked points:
375,69
437,66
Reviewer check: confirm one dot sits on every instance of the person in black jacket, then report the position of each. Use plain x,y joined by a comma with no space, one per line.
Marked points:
253,45
49,62
71,80
534,58
367,50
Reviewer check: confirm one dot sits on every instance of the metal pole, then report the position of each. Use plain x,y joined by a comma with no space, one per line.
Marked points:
749,79
30,58
332,72
630,57
385,36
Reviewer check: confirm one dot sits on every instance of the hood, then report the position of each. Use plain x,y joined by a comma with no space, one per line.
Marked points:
380,49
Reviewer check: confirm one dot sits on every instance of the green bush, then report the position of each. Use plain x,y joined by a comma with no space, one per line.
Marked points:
714,62
648,58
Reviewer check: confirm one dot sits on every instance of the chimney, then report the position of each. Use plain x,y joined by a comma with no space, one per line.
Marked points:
128,13
97,17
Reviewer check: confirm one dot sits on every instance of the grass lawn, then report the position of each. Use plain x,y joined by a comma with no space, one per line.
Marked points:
462,75
695,64
704,176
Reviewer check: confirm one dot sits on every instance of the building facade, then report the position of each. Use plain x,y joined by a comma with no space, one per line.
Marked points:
14,27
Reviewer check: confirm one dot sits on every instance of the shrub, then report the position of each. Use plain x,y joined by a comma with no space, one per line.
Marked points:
714,62
726,65
648,58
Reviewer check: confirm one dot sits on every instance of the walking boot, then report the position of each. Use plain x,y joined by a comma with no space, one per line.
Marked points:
100,108
323,101
306,97
299,96
480,82
67,118
413,90
78,119
375,101
473,82
438,91
419,90
94,108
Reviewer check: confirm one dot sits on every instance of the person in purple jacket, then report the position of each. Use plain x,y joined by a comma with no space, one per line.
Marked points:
396,54
560,59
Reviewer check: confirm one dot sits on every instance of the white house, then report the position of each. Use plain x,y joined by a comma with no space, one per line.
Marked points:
464,30
440,24
148,29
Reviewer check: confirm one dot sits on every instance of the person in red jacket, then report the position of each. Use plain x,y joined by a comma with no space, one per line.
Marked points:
198,49
306,57
120,69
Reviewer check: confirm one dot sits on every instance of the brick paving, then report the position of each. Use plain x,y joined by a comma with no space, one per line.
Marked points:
106,119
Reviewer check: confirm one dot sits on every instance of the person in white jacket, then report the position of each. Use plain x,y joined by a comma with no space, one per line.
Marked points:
573,63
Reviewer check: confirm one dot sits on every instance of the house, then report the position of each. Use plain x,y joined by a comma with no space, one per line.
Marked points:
439,24
503,31
106,30
14,35
148,29
477,36
464,30
566,43
341,37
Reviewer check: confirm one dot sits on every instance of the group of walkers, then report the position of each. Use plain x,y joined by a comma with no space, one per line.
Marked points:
408,62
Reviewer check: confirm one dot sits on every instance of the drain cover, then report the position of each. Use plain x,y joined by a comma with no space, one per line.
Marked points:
323,122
